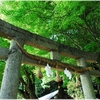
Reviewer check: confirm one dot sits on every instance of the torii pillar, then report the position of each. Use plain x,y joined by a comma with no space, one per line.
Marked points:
86,81
10,82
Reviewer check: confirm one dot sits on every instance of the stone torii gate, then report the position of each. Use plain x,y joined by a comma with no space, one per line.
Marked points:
15,56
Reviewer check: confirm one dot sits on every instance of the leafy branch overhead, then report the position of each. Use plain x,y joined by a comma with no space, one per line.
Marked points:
77,22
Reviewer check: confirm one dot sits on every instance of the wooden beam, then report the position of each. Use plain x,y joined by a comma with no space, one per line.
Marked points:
35,62
76,53
43,62
10,31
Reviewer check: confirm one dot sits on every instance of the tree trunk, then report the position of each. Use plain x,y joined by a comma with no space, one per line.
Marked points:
10,82
27,89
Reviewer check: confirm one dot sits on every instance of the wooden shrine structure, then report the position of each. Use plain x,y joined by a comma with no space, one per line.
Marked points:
14,56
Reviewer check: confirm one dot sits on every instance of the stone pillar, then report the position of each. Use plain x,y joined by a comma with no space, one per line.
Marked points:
54,55
86,81
10,82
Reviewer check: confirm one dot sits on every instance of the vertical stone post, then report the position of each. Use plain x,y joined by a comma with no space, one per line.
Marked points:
86,81
10,82
54,55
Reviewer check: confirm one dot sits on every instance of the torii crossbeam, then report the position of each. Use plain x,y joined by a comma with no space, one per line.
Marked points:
16,57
